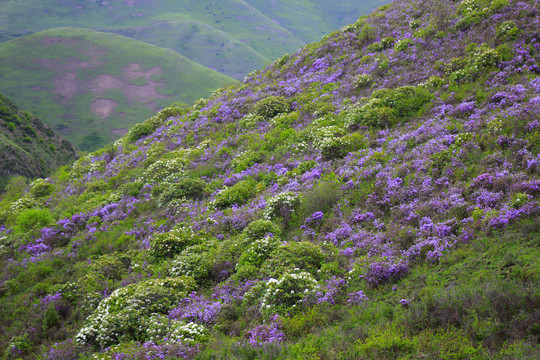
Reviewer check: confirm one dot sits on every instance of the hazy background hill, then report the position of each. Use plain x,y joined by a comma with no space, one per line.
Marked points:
91,86
29,147
203,31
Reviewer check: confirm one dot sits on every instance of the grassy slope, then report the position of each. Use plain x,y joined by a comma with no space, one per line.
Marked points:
400,172
54,74
29,147
201,43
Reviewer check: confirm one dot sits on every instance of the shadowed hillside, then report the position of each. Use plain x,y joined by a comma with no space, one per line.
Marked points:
29,148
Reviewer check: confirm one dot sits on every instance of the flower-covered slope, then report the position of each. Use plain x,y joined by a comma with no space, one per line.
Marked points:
374,195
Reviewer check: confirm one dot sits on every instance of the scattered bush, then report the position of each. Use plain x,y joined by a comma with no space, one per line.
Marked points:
281,206
302,255
40,188
288,293
167,245
272,106
237,194
30,219
185,188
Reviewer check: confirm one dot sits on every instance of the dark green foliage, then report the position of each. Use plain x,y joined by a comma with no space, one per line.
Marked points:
272,106
51,319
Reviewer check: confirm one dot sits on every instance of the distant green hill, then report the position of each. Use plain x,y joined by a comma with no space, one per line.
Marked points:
214,34
29,147
92,86
201,43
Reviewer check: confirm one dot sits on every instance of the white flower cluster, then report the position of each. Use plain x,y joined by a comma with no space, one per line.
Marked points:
160,326
288,200
159,170
23,203
122,315
289,290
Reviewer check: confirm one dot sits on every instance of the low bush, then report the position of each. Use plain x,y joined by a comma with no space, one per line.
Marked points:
272,106
237,194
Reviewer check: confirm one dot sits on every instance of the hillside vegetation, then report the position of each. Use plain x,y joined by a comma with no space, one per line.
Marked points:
91,86
373,196
29,148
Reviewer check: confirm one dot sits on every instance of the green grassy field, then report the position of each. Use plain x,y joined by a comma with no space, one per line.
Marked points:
92,86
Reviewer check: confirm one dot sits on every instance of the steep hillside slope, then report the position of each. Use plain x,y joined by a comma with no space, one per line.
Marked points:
29,148
373,196
91,86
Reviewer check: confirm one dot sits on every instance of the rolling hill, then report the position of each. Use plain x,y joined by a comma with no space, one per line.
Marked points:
92,86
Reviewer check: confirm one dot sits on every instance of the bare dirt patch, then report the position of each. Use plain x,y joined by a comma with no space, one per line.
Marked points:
67,86
132,92
103,107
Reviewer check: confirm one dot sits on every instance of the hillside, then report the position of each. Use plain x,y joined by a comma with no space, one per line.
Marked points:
373,196
91,86
29,148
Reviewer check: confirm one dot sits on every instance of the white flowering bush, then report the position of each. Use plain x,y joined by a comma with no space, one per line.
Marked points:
166,245
258,252
161,169
288,292
250,121
160,326
40,188
281,205
121,316
195,261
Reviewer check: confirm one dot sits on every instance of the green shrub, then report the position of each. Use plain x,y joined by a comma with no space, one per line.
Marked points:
373,113
272,106
51,319
167,245
11,126
40,188
302,255
139,131
507,30
195,261
185,188
258,252
30,219
258,229
334,148
238,194
403,45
